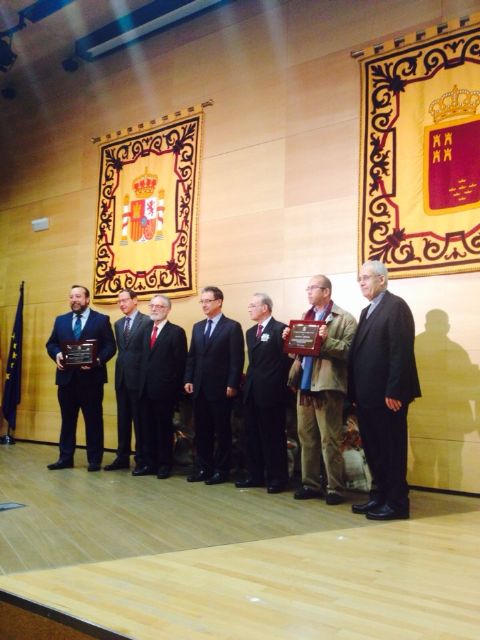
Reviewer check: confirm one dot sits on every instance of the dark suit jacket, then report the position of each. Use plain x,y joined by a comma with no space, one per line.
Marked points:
127,365
162,368
382,359
218,364
267,373
97,327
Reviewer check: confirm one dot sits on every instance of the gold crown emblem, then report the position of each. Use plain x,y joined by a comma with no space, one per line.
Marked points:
144,185
457,102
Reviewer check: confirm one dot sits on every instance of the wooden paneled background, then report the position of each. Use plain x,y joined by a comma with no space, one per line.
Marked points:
278,195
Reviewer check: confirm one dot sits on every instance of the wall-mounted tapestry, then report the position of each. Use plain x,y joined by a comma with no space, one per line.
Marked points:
419,165
147,208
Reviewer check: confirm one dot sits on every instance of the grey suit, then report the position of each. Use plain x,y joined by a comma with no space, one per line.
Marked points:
127,368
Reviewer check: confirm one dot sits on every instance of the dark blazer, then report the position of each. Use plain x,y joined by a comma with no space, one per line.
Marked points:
97,327
218,364
381,358
162,368
127,365
268,368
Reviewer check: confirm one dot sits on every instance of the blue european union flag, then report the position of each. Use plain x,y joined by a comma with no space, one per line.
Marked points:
13,373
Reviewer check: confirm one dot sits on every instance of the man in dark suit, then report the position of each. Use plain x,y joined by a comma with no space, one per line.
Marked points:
81,388
212,377
129,337
265,398
383,381
162,366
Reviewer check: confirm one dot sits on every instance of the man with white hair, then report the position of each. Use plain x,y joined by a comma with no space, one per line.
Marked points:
162,365
383,381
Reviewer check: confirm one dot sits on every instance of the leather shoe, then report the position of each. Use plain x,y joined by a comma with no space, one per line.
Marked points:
93,466
333,498
387,513
275,488
247,484
365,507
118,463
199,476
217,478
307,493
164,473
60,464
143,471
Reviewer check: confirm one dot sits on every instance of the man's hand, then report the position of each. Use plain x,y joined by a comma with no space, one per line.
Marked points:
285,333
392,404
59,361
188,386
323,331
231,392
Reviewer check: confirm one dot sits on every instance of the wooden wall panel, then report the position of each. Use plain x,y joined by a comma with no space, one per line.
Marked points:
278,195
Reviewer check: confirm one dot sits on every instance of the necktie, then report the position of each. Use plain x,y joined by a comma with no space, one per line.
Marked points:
208,331
126,328
77,327
259,331
153,337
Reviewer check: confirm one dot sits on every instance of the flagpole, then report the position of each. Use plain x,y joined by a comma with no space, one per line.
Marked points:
13,375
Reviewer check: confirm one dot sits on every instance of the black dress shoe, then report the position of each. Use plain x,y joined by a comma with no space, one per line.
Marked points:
199,476
93,466
143,471
387,513
333,498
247,484
164,473
60,464
217,478
118,463
307,493
365,507
275,488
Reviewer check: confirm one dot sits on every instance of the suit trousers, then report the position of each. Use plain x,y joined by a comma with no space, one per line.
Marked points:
266,444
128,412
384,436
213,434
157,432
88,398
320,430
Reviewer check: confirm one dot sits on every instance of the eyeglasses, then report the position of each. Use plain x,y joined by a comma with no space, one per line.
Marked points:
206,301
314,286
253,306
366,278
157,307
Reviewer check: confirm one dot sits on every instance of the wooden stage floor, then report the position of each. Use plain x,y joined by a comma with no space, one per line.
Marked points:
163,559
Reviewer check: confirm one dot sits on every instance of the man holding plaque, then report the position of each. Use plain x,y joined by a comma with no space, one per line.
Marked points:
383,381
81,344
321,381
129,337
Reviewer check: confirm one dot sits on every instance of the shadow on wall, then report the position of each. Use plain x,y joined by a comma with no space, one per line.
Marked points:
442,420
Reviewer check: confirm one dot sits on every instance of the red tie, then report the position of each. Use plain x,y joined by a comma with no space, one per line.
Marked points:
259,331
153,337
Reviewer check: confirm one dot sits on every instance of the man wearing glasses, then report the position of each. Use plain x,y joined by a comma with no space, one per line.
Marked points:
212,377
162,365
383,381
322,386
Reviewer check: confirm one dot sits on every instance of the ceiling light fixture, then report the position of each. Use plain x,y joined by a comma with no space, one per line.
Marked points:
157,15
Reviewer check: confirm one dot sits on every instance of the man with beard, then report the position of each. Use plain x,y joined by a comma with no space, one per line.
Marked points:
81,388
162,365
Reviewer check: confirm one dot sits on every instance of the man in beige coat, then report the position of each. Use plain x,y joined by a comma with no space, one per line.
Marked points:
322,386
